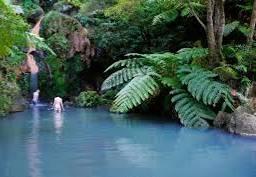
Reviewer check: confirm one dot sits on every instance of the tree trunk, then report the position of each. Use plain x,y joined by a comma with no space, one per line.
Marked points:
220,24
252,24
210,32
215,30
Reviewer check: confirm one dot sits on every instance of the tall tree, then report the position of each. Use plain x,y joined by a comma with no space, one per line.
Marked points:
214,28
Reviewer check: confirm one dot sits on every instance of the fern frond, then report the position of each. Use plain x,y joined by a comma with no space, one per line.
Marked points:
230,27
166,17
187,73
138,90
173,82
160,59
197,6
186,55
122,76
191,112
203,88
244,29
133,62
38,42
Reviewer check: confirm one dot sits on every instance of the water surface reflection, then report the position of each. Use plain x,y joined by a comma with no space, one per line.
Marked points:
95,143
33,151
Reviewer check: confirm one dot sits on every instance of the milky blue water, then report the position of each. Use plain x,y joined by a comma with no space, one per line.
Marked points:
95,143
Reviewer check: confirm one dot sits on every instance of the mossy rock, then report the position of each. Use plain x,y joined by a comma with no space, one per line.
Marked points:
56,29
66,8
56,22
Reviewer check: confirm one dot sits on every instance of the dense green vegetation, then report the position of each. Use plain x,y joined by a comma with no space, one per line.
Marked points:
12,32
185,56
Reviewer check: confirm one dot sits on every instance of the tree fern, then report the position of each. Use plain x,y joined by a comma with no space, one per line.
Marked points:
171,82
191,112
133,62
203,88
195,88
122,76
138,90
186,55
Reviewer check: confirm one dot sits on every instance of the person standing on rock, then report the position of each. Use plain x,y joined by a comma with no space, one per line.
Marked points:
58,104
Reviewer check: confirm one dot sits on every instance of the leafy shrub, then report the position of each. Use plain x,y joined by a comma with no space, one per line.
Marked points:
12,30
89,99
8,90
24,85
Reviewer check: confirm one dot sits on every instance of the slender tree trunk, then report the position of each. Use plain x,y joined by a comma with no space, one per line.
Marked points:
252,24
215,30
210,32
220,24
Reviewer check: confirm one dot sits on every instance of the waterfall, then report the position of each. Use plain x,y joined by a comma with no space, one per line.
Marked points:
33,82
31,62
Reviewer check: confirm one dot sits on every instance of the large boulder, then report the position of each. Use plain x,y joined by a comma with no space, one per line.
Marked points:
242,121
66,36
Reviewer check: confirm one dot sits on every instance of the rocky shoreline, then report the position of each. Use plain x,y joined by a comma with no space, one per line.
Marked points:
242,121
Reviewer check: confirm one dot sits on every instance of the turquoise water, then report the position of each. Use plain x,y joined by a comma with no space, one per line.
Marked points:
95,143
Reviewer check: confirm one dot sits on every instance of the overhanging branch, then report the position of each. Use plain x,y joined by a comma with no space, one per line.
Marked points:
196,16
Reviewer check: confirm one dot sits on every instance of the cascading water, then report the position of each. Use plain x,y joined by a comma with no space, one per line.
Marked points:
31,63
33,82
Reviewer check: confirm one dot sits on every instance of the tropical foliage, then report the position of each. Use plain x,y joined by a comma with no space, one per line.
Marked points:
185,55
12,29
194,87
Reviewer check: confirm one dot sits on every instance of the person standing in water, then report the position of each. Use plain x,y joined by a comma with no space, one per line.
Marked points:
58,104
35,97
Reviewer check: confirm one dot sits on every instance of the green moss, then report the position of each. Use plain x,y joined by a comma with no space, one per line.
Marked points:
56,22
56,28
59,43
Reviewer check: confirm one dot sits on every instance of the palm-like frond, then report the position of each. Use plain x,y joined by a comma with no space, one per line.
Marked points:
203,88
123,75
195,88
191,112
132,62
171,82
138,90
186,55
